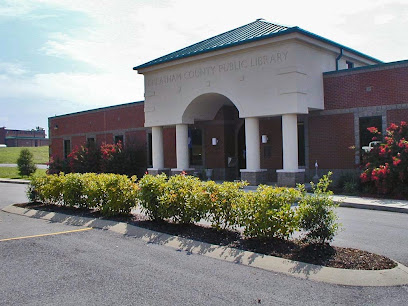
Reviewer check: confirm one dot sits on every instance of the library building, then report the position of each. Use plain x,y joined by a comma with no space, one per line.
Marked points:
263,103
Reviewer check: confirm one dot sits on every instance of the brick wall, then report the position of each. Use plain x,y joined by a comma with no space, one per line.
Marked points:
169,145
385,85
271,152
25,133
396,116
102,124
330,139
2,135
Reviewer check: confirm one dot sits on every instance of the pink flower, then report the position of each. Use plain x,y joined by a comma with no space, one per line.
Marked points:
396,161
373,130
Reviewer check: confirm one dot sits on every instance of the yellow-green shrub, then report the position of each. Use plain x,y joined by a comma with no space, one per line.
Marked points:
46,189
120,194
112,194
73,190
183,200
267,212
222,202
94,192
150,190
316,213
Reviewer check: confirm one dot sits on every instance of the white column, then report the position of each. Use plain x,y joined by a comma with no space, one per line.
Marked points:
252,144
157,147
182,146
290,142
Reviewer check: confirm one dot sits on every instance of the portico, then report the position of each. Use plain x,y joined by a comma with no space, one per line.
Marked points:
261,71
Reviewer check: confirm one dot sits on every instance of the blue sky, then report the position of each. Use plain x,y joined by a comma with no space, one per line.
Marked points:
62,56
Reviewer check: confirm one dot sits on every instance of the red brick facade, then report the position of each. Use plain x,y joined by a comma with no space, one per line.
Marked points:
331,139
331,136
362,87
23,138
102,124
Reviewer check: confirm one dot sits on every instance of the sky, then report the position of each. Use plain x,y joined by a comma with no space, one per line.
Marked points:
64,56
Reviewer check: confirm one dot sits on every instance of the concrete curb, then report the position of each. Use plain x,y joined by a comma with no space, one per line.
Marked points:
373,207
14,181
399,206
393,277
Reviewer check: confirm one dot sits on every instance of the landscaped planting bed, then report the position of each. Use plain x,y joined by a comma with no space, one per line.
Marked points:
262,221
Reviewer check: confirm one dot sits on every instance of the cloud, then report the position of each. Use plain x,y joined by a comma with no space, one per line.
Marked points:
14,8
11,69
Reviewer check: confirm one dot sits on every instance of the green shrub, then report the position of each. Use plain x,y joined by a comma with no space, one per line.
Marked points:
25,163
222,202
150,190
112,194
268,212
349,183
46,189
316,212
184,199
73,190
94,192
120,194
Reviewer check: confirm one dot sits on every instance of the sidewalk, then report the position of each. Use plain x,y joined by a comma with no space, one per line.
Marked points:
400,206
15,166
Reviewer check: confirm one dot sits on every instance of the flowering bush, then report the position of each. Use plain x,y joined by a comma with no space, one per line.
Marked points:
386,166
108,158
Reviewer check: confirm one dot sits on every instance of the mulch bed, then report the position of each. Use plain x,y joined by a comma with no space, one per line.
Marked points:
325,255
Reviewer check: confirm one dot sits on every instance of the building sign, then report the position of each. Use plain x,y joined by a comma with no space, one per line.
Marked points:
252,62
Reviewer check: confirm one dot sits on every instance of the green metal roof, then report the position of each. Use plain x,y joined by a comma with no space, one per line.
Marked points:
257,30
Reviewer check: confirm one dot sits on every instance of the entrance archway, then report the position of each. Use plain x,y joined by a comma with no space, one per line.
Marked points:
223,139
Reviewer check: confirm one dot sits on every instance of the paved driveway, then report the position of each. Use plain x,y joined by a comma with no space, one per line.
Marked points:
97,267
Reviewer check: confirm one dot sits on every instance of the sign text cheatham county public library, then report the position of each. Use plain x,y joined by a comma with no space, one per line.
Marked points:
235,65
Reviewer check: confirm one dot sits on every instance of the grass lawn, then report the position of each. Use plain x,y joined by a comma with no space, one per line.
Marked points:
12,173
11,154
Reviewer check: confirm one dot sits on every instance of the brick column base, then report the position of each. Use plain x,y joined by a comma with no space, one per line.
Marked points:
154,171
178,171
254,177
290,178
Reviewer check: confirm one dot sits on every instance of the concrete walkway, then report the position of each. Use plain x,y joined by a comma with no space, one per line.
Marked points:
15,166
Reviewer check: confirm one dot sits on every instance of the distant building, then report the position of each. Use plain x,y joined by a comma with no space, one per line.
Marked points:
23,138
262,103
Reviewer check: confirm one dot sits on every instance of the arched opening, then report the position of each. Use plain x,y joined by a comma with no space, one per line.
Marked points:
216,136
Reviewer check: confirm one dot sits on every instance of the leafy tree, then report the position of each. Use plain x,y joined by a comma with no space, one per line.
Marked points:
25,163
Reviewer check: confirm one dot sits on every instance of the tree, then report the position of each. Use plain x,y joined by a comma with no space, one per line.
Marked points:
25,163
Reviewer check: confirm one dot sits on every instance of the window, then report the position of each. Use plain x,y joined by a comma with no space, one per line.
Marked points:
365,136
67,148
90,142
195,145
301,144
349,65
365,122
118,138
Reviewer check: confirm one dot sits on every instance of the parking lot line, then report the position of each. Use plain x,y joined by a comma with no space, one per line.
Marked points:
50,234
